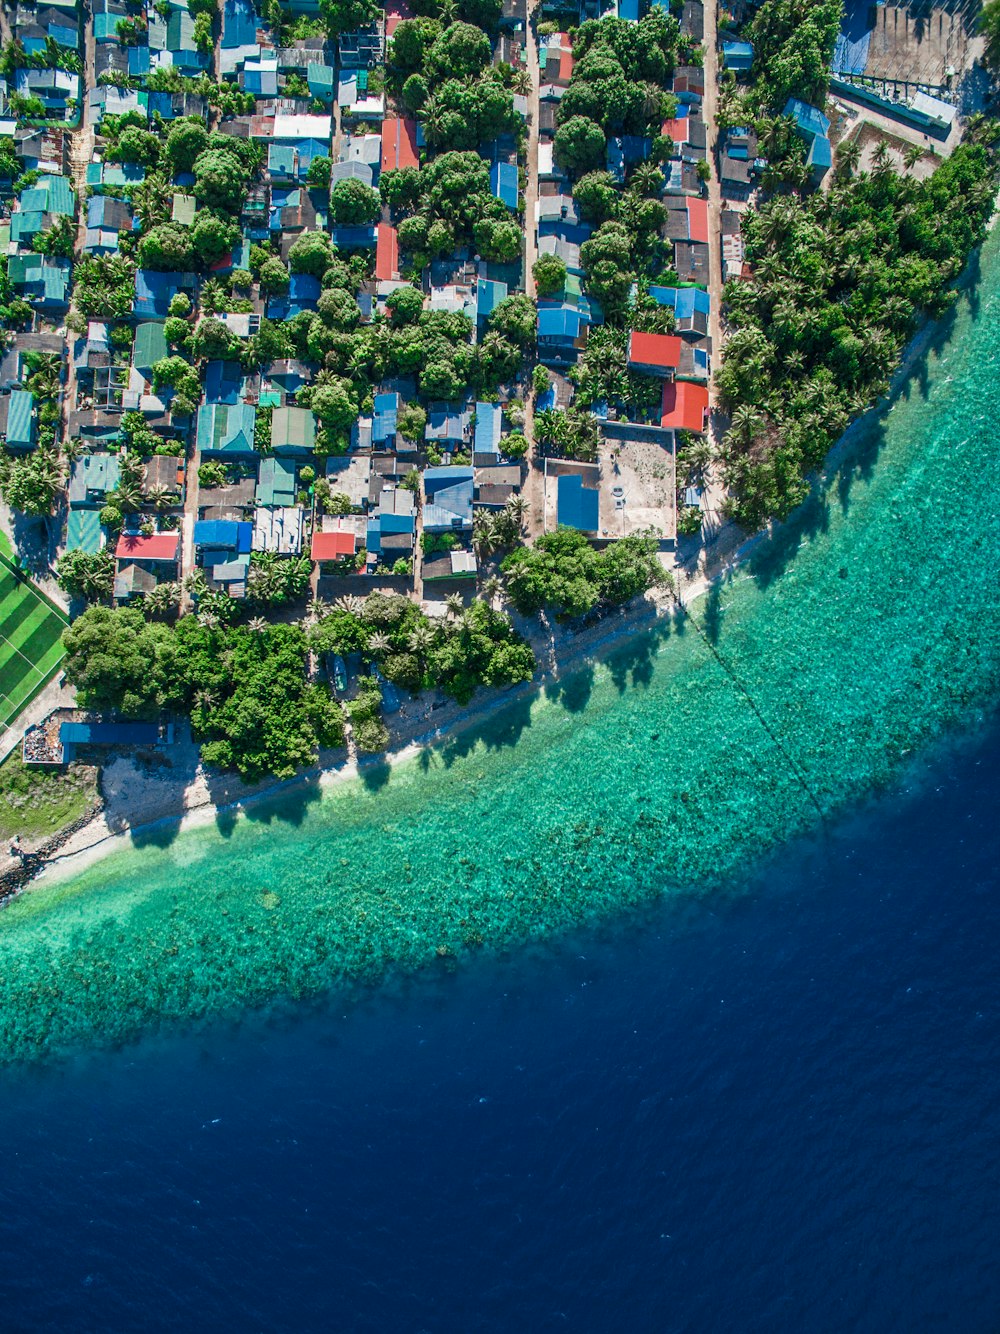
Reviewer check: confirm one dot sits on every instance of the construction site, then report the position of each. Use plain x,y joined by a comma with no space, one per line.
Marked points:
908,46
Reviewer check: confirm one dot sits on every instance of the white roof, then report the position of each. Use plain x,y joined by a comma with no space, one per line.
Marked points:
545,160
302,127
278,530
934,107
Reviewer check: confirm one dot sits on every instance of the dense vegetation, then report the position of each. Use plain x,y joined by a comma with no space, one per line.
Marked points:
478,646
244,687
840,277
565,572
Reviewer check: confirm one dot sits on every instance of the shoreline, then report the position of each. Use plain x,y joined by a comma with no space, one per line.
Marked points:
191,797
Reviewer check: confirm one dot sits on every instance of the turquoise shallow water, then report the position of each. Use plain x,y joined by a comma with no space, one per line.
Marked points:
865,631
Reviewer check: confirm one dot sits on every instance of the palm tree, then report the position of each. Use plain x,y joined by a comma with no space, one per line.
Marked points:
517,508
491,587
647,180
848,157
208,619
73,448
379,644
196,584
318,607
420,639
455,604
352,604
483,534
128,495
257,625
746,423
161,498
912,156
162,599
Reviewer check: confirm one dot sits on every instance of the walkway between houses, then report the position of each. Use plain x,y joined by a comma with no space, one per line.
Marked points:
81,151
534,486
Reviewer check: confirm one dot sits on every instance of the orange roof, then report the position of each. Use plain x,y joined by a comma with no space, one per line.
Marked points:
566,65
333,546
649,349
399,143
161,546
386,253
685,406
697,210
677,130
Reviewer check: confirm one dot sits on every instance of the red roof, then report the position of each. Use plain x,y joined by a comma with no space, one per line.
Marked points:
395,12
333,546
399,143
161,546
386,253
677,130
685,406
566,65
697,210
650,349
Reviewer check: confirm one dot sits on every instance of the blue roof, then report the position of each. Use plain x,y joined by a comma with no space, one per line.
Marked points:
629,10
504,182
304,287
809,121
576,504
820,152
239,25
384,419
488,420
489,294
223,382
436,479
223,533
559,322
154,291
109,734
138,60
684,300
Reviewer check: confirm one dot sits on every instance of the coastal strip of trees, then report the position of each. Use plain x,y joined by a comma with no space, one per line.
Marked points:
841,276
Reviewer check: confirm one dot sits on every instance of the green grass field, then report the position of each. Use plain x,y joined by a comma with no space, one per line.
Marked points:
30,642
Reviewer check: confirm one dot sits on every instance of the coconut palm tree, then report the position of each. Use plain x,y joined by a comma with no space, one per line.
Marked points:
196,584
483,534
208,619
379,644
647,180
128,495
73,449
420,639
161,498
848,157
517,508
352,604
162,599
257,625
491,587
318,607
747,421
912,156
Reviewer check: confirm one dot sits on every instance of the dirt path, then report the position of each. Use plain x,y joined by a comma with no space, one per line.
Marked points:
81,152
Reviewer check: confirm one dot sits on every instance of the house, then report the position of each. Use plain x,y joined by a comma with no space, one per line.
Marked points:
737,56
278,530
54,88
293,431
689,85
654,354
44,282
164,472
131,581
448,506
17,419
224,381
184,53
155,291
504,183
260,77
495,485
275,483
489,294
399,143
160,547
91,479
386,253
384,420
559,331
149,347
819,158
321,80
226,430
577,506
448,425
489,420
361,49
391,530
513,15
106,217
337,545
691,307
810,123
684,406
222,549
83,531
624,151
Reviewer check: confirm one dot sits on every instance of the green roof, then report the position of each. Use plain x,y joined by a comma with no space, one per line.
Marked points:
277,482
150,345
226,428
83,531
320,79
293,430
60,196
20,423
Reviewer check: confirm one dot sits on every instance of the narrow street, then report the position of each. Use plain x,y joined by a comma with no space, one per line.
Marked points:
81,152
534,486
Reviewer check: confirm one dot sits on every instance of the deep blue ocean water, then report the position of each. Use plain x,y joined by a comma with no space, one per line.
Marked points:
774,1110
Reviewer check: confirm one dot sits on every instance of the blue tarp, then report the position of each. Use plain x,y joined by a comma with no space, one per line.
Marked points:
109,734
577,505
